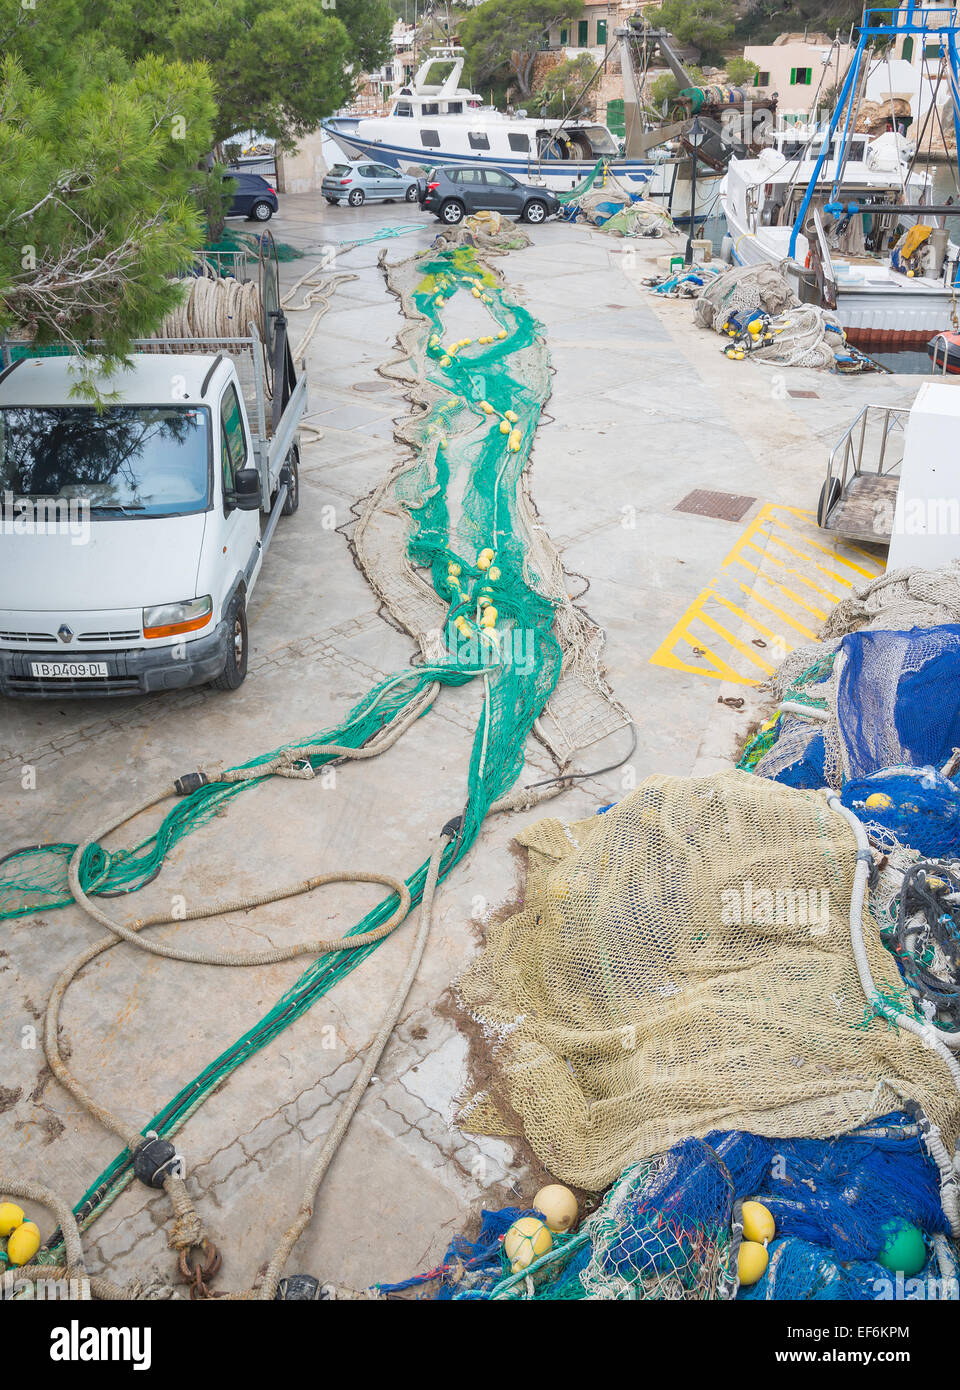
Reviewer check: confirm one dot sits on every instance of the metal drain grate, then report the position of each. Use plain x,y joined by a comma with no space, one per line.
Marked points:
803,395
371,386
723,506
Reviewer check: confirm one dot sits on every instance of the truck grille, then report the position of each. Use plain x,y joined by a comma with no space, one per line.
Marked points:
109,636
27,637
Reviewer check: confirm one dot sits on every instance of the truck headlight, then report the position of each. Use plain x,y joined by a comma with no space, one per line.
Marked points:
170,619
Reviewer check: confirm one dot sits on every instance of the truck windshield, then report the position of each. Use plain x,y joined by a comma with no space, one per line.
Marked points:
124,460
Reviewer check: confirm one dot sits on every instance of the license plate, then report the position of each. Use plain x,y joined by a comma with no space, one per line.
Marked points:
69,670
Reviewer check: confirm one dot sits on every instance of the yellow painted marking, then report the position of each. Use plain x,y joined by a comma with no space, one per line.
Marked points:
823,569
778,565
807,632
745,617
835,555
735,642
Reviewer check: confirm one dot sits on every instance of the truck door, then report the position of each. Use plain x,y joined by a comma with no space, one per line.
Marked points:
241,530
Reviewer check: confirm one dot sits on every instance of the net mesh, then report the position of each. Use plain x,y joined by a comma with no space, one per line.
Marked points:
681,963
669,1227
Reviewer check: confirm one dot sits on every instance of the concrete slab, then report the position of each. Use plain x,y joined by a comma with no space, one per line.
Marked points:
644,409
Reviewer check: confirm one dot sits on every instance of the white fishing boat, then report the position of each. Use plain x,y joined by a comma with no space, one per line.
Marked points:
850,219
435,122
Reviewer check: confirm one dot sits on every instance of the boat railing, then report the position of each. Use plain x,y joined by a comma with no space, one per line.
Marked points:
865,447
940,347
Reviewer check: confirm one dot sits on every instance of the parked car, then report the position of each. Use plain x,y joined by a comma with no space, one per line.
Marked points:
253,197
454,190
362,181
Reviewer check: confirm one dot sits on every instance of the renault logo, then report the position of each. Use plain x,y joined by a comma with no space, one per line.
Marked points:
65,633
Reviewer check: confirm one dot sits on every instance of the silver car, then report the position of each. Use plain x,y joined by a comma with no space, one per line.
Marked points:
362,181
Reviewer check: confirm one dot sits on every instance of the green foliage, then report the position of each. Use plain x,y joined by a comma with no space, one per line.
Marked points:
507,35
562,86
98,159
741,72
278,66
707,24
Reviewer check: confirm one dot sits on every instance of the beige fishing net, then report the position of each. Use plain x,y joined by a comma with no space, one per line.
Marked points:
682,963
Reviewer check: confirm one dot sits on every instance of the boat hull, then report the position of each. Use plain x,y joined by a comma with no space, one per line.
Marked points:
873,317
660,182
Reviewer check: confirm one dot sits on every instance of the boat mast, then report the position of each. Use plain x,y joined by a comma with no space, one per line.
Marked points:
882,24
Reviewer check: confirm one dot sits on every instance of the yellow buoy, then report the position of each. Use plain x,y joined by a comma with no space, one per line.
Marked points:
486,407
439,301
485,558
504,426
23,1244
475,292
558,1205
758,1223
502,333
489,616
511,416
11,1216
453,569
752,1260
525,1241
445,361
494,574
515,440
878,801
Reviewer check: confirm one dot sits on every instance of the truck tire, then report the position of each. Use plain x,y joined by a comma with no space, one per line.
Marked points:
293,490
452,212
535,211
235,671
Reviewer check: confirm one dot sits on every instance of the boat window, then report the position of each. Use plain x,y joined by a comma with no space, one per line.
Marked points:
403,108
601,141
430,108
478,140
518,142
454,108
430,138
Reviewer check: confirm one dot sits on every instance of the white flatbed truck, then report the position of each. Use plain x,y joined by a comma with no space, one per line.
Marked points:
133,531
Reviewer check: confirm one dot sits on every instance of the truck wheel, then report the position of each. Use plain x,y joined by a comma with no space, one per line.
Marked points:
234,672
261,212
535,211
452,212
293,485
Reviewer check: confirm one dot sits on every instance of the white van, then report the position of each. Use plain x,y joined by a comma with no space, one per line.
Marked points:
130,529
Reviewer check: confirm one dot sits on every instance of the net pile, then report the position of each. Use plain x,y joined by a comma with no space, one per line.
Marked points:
681,963
484,231
744,289
669,1227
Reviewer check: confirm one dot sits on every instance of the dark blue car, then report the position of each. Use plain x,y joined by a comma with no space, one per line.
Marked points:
253,197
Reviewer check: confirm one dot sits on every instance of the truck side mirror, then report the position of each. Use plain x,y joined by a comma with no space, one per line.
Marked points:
245,496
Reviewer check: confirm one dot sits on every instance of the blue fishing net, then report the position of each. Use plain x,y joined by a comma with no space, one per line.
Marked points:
665,1229
915,806
897,705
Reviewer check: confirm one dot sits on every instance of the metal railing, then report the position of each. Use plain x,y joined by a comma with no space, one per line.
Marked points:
940,343
848,454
